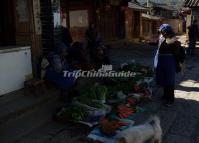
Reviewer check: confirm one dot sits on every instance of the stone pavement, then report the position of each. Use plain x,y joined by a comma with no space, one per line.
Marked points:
179,123
184,128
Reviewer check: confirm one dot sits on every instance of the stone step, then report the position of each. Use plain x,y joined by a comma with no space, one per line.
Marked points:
20,104
13,130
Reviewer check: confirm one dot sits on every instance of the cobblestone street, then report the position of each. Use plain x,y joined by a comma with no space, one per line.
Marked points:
180,123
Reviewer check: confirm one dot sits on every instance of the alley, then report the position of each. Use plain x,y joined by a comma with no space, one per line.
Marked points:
179,123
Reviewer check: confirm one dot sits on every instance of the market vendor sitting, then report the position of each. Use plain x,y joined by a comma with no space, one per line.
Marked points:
57,65
77,54
78,57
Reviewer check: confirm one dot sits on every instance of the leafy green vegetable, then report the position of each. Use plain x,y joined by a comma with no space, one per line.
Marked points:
72,113
96,92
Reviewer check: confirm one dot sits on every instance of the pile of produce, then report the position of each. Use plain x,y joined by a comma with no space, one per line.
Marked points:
142,90
125,87
109,126
124,111
128,88
137,68
125,96
120,100
72,114
95,96
87,107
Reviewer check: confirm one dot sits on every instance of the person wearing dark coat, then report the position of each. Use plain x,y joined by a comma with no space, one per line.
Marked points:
167,62
91,36
193,35
66,36
77,54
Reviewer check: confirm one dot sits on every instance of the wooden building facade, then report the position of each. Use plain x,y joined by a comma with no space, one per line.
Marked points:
150,26
107,15
162,10
31,22
133,21
194,6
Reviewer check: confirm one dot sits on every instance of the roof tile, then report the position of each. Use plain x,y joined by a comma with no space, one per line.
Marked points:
191,3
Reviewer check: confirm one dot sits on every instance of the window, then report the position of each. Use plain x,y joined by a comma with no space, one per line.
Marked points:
78,18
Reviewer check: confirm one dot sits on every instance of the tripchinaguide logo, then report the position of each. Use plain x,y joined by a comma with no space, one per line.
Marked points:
105,71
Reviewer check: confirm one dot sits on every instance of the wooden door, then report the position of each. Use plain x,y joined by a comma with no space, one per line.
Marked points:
136,24
7,23
106,23
24,22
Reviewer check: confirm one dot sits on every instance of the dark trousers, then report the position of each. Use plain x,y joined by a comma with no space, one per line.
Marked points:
192,46
169,93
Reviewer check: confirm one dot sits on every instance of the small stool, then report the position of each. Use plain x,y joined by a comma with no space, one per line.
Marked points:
35,86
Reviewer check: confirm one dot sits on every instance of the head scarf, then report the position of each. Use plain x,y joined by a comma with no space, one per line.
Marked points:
166,28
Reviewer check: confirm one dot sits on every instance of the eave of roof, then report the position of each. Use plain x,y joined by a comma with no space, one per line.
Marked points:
136,6
151,17
161,5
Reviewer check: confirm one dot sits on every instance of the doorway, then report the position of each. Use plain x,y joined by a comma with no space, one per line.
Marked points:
7,23
136,24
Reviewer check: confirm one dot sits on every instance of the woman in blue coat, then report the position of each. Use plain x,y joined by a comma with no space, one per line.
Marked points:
167,61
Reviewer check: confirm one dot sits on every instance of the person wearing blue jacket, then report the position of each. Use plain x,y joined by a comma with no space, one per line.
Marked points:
57,66
169,57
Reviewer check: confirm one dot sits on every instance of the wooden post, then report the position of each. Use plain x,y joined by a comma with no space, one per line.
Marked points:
148,6
128,23
141,25
36,40
67,5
